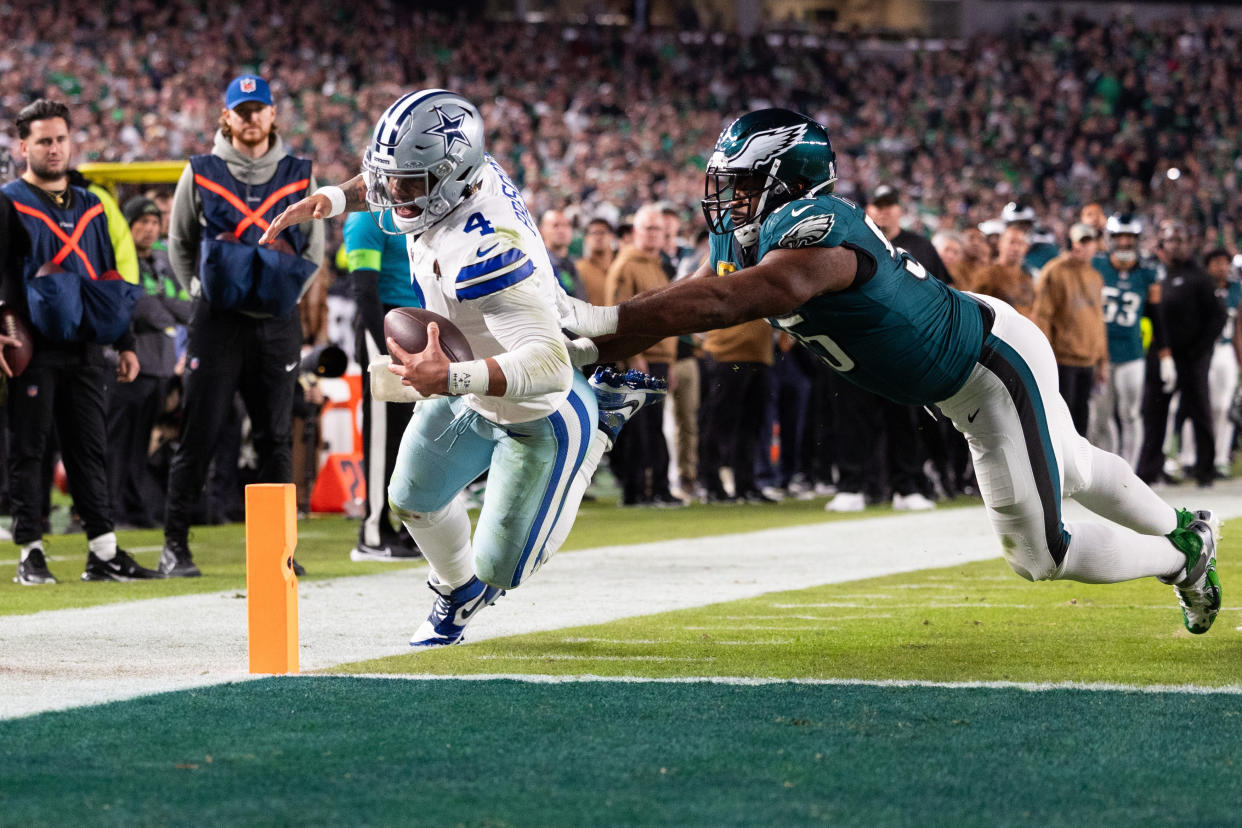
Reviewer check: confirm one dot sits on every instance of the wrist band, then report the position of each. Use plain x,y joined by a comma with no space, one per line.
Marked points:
336,196
467,377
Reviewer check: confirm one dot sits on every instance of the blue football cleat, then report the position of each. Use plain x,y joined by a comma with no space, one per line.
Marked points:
452,611
621,393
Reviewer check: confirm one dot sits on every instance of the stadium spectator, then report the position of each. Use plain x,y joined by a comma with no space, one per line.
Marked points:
1007,279
557,235
133,407
1069,310
65,383
599,248
641,447
243,337
380,268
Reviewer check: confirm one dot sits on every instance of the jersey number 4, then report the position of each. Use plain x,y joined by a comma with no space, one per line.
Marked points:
477,222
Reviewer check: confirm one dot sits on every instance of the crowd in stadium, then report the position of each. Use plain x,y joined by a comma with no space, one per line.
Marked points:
596,122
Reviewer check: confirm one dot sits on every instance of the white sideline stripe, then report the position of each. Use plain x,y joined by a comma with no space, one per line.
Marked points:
747,681
68,658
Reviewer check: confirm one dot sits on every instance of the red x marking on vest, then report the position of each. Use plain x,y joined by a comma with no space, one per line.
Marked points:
250,217
71,241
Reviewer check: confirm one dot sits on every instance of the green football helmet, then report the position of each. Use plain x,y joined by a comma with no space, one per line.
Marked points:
763,160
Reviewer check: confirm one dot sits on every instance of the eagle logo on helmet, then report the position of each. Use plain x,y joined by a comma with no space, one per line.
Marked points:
449,130
809,231
760,148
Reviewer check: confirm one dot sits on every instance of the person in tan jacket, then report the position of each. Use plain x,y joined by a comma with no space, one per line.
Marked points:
1069,309
1006,279
599,244
641,453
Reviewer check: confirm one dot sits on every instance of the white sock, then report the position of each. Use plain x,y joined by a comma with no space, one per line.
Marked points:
1104,553
1117,493
444,539
30,547
573,499
103,546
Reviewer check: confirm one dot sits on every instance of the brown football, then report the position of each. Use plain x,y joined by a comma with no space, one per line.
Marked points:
17,356
408,328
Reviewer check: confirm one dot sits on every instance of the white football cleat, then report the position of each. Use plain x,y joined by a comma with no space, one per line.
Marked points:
915,502
847,502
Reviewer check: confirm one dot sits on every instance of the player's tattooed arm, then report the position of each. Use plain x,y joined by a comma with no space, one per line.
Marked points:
355,190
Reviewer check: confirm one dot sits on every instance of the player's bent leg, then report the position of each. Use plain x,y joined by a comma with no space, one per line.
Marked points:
533,471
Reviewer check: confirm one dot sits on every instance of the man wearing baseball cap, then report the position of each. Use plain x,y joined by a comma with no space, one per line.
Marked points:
244,332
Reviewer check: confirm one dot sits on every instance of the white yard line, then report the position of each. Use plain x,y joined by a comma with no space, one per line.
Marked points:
67,658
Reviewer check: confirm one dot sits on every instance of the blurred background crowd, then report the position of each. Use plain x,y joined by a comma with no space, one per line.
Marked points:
593,122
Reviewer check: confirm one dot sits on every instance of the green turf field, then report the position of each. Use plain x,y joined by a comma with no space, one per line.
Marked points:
950,696
322,751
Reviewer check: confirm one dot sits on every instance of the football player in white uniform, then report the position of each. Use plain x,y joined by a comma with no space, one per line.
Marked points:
519,409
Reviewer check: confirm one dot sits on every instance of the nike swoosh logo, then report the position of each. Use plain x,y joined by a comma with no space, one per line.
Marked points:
971,418
483,252
799,211
466,612
290,367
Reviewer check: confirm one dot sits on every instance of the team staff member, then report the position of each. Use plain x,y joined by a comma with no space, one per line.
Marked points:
1193,319
244,333
65,382
380,266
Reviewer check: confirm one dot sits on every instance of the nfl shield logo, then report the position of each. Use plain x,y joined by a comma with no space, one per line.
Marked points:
247,85
194,364
32,390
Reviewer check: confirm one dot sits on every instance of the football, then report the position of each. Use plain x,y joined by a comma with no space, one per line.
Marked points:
408,328
17,356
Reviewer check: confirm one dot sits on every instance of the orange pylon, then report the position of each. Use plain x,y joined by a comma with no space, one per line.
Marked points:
271,586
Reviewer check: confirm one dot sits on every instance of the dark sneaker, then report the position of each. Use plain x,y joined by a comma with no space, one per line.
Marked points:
176,561
33,571
387,552
120,568
452,611
1198,586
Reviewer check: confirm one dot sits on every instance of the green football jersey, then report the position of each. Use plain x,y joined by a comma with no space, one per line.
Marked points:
1125,303
895,331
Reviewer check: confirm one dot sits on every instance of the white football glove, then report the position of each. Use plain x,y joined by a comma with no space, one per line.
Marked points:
583,318
1168,375
582,351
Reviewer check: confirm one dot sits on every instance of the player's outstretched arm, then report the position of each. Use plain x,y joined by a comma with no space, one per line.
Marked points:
318,206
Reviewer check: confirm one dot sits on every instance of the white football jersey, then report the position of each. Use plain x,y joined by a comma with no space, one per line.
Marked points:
465,263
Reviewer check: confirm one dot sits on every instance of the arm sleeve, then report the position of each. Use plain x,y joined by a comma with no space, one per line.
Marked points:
535,360
185,230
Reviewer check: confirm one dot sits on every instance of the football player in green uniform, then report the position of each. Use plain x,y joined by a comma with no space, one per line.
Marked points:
786,248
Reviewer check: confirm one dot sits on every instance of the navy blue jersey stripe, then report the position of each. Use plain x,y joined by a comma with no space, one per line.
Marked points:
494,285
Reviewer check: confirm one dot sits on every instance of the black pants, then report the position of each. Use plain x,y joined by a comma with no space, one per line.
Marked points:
1075,384
382,428
132,410
229,352
74,398
879,450
1192,384
735,399
643,450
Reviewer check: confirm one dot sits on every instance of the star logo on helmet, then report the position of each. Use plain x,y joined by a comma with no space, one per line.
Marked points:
449,129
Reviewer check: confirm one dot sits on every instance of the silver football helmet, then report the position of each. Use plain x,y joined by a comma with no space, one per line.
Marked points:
1123,232
425,156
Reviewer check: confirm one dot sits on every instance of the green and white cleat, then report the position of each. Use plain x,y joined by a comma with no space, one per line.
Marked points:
1198,589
